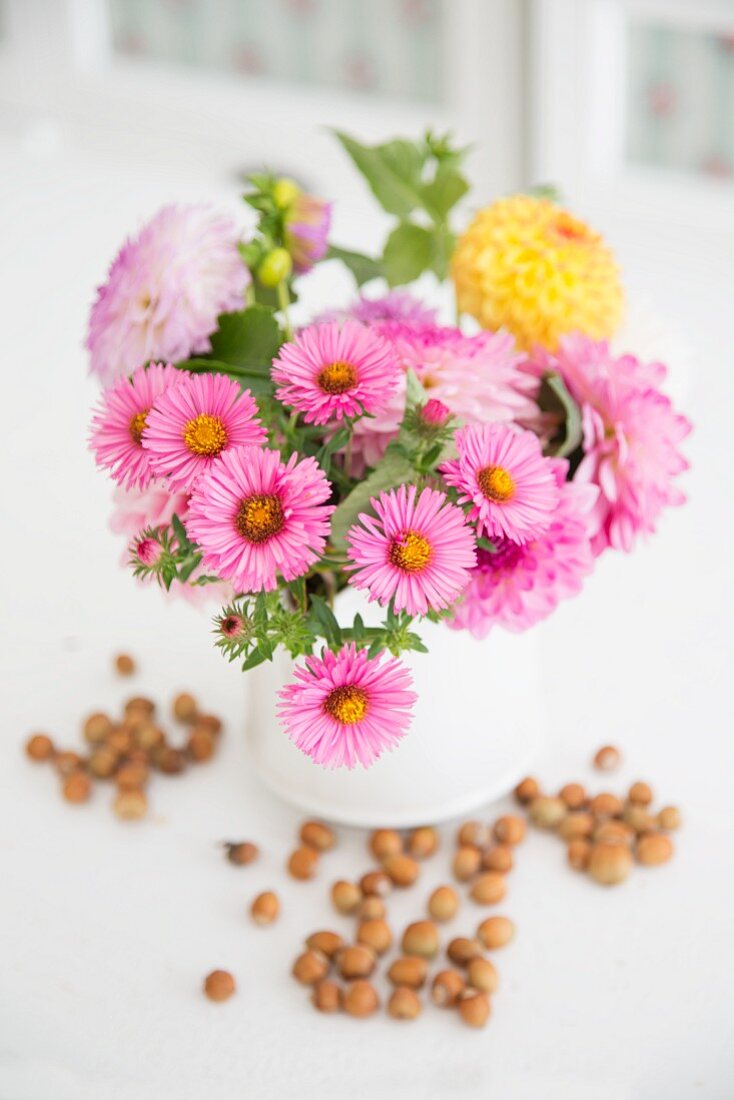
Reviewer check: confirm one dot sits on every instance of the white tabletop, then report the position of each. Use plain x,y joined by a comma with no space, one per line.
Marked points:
107,929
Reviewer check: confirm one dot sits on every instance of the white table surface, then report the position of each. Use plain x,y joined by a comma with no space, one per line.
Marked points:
107,929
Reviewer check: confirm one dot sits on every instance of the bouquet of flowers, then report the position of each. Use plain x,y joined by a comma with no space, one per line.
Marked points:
470,473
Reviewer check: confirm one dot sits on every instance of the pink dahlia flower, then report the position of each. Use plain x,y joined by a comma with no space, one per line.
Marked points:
306,237
165,290
330,372
117,425
397,305
502,474
255,516
520,584
631,438
417,550
193,423
347,708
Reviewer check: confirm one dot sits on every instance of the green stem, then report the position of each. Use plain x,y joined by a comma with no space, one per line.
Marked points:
284,301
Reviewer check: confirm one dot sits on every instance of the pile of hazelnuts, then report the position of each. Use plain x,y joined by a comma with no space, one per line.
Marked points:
126,749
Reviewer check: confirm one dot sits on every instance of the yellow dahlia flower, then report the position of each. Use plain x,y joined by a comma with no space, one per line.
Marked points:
529,266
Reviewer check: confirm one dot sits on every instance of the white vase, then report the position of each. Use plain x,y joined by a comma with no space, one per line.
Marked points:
476,727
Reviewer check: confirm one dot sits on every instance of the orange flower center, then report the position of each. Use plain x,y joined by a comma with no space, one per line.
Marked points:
496,484
259,518
347,704
337,377
410,552
137,426
205,435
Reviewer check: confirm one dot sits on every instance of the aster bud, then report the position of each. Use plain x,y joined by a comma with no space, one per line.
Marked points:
147,550
275,267
285,192
434,414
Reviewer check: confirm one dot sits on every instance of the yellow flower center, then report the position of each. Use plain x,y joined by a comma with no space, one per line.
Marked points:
496,484
259,518
337,377
410,552
347,704
205,435
137,426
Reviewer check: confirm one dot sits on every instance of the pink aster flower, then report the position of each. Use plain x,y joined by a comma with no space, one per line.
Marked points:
417,550
502,474
193,423
307,224
347,708
255,516
165,290
631,438
520,584
118,423
330,372
396,305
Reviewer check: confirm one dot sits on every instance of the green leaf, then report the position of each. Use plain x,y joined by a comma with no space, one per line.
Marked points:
444,242
392,470
251,377
447,188
256,658
324,616
363,268
393,172
248,339
554,398
185,545
408,253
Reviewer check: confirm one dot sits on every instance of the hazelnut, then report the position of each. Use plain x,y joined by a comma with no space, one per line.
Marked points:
408,970
170,761
578,823
669,818
310,967
372,908
124,664
241,852
403,870
356,961
102,762
527,790
384,843
488,888
302,863
316,835
466,863
326,996
139,705
120,739
640,794
346,896
375,934
606,805
265,909
96,727
404,1003
443,903
509,829
39,747
474,834
654,848
219,985
67,762
375,884
423,842
607,758
360,999
184,707
147,735
574,795
578,853
482,975
209,722
495,932
447,987
498,858
609,864
474,1008
201,745
328,943
131,776
613,830
130,805
421,938
547,812
461,950
638,818
77,787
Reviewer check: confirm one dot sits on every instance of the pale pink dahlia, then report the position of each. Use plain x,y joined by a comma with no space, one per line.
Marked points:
255,516
502,473
417,550
520,584
330,372
307,225
631,438
193,423
165,290
347,708
396,305
117,425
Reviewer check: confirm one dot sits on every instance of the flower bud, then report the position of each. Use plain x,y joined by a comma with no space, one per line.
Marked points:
275,267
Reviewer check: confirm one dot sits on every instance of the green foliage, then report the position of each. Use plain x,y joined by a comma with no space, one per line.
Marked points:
408,253
555,399
363,268
393,469
243,347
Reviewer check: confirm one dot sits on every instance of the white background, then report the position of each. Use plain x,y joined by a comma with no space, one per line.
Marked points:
107,929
